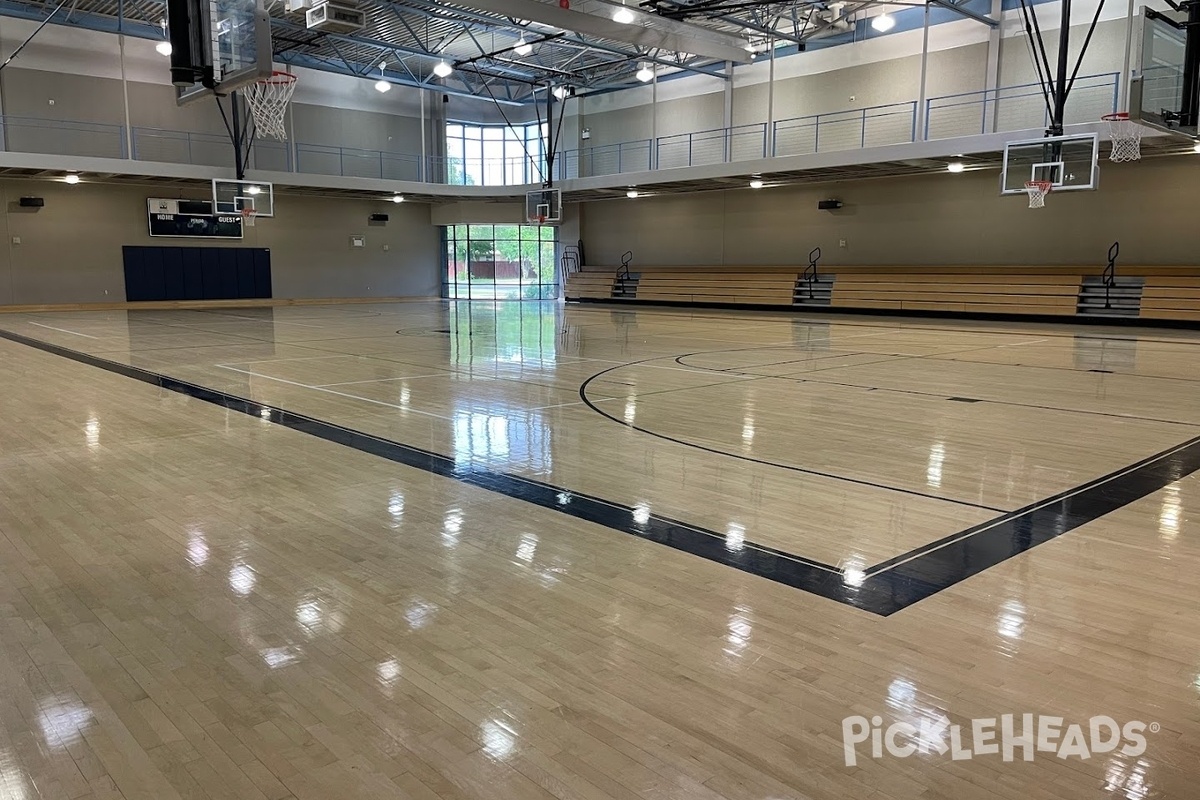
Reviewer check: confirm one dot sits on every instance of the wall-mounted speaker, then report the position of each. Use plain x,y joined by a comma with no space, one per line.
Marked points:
829,205
379,218
32,202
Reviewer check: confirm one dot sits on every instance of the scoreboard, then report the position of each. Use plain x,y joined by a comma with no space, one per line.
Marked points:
191,219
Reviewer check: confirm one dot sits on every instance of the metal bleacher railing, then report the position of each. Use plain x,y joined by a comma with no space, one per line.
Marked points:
969,113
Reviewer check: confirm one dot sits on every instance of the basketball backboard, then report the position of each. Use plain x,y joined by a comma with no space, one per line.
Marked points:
1069,162
227,42
234,197
544,206
1156,89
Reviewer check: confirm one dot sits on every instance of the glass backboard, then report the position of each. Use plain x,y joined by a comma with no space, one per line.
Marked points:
235,42
234,197
1068,162
1156,90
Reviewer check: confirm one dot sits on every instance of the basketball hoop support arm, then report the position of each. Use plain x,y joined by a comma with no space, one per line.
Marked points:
1057,87
240,136
553,136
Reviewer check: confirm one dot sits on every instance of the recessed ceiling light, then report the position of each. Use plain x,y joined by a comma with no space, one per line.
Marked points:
955,166
397,198
163,48
442,69
756,183
623,15
523,48
71,179
883,23
632,193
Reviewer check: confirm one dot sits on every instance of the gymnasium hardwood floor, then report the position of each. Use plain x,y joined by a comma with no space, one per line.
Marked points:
516,551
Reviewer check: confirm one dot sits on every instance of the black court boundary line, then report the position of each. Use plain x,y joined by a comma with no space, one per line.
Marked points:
884,589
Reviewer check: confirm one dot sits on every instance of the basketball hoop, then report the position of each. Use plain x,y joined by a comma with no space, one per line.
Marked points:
1126,138
268,99
541,219
248,217
1037,192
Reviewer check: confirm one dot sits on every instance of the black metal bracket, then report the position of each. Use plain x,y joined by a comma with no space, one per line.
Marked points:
1110,273
626,260
810,272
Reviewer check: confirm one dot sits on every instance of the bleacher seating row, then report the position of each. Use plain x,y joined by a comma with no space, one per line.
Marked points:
1168,293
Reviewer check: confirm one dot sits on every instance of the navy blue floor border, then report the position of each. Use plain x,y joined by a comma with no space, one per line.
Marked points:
882,589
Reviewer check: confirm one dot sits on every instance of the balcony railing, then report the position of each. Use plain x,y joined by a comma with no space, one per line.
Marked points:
1017,107
968,113
63,137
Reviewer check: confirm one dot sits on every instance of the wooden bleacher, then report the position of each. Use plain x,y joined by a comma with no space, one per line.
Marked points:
590,285
737,287
975,291
1171,297
1169,293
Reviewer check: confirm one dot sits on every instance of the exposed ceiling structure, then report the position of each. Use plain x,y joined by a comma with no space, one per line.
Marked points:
575,43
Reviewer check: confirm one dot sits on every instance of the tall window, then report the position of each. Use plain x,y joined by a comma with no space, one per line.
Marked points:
494,155
500,262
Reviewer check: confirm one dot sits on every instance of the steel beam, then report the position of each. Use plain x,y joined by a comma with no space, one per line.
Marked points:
966,12
646,30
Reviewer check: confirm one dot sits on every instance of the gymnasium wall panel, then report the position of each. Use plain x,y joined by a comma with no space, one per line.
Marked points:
309,240
925,220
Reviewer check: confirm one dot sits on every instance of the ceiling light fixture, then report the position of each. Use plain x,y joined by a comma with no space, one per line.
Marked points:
1196,147
397,198
623,15
562,92
756,183
382,85
71,179
955,167
644,73
442,69
164,48
883,23
523,48
631,194
253,190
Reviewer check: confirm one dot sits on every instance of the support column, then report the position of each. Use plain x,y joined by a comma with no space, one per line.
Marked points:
654,122
923,134
125,96
771,102
421,167
728,111
995,45
1126,75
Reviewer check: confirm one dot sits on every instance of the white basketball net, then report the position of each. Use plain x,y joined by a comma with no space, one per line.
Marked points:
268,100
1126,137
1037,192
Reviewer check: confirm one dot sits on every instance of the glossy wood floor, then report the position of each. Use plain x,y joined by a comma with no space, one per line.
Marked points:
199,603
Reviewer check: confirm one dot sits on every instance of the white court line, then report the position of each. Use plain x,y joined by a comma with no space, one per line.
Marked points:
577,403
384,380
339,394
274,360
64,330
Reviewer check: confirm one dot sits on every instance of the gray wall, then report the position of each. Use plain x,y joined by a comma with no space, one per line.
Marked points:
60,96
934,219
70,250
